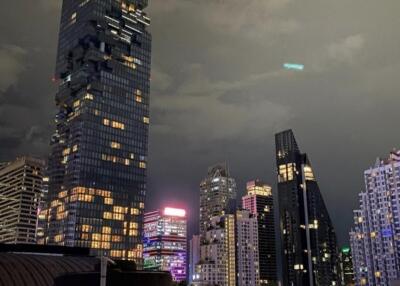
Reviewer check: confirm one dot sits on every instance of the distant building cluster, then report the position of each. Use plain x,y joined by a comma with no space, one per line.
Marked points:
281,238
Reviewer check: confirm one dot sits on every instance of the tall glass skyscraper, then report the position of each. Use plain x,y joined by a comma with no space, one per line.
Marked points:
309,251
97,165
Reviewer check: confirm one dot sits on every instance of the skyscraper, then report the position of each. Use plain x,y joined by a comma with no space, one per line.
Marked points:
217,195
21,184
374,237
165,242
217,229
346,265
217,265
98,160
260,203
308,241
247,249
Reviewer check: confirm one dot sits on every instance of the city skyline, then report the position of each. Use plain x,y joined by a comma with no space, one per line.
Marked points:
27,89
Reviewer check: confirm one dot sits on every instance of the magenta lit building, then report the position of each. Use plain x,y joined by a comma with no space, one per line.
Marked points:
165,242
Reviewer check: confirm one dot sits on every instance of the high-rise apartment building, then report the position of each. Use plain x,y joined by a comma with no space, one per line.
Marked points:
309,251
98,160
259,201
165,242
217,229
217,195
21,184
375,235
247,249
346,266
217,264
194,257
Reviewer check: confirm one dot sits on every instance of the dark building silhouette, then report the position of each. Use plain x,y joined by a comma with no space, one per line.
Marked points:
36,265
308,241
98,160
346,265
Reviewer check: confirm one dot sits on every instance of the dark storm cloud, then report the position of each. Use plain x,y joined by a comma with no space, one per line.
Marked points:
219,92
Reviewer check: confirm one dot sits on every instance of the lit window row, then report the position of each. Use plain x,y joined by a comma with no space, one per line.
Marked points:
115,159
91,191
113,124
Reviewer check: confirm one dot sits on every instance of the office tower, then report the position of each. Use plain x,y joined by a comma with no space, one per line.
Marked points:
165,242
308,241
97,165
217,265
260,203
20,191
374,237
346,266
247,252
194,257
217,195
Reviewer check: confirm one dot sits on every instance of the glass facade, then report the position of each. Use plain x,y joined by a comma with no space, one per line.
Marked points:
309,254
165,242
98,160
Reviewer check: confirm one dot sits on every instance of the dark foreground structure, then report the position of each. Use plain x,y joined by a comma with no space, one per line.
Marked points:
32,265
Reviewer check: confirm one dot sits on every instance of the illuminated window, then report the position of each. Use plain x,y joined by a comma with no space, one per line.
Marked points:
118,216
115,145
89,96
134,211
308,173
118,209
86,228
66,151
142,165
133,232
62,194
127,162
133,225
139,99
107,215
75,148
118,125
106,230
95,244
96,236
116,238
106,122
108,201
105,245
77,103
146,120
141,205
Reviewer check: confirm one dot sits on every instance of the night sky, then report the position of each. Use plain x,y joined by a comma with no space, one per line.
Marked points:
219,92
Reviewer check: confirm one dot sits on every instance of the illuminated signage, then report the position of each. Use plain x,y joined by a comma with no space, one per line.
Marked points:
174,212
